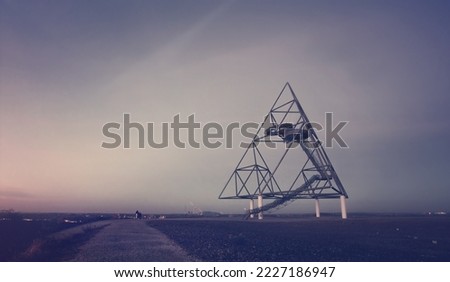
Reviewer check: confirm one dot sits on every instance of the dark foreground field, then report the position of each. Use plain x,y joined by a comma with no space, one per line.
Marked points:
40,237
27,237
418,238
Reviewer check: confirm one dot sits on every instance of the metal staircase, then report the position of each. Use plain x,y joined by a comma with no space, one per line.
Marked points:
286,197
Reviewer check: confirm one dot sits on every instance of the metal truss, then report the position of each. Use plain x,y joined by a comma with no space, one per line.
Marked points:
286,123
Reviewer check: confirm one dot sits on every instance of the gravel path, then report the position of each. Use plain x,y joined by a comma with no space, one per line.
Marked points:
130,240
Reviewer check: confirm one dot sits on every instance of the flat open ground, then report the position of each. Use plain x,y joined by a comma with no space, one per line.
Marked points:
372,238
419,238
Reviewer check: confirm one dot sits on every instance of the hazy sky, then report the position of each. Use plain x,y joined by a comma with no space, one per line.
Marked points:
69,67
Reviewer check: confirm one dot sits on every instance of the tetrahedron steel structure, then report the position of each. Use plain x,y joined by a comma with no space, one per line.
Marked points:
284,161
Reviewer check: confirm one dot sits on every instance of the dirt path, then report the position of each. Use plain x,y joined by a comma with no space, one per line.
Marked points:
130,240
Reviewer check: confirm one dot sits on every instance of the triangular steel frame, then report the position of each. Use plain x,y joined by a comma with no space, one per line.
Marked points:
316,179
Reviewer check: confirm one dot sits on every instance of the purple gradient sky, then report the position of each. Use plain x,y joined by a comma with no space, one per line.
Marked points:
68,67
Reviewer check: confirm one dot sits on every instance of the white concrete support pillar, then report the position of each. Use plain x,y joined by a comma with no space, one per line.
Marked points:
251,208
260,204
343,207
317,208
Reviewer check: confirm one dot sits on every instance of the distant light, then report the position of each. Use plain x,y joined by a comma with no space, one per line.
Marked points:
70,221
